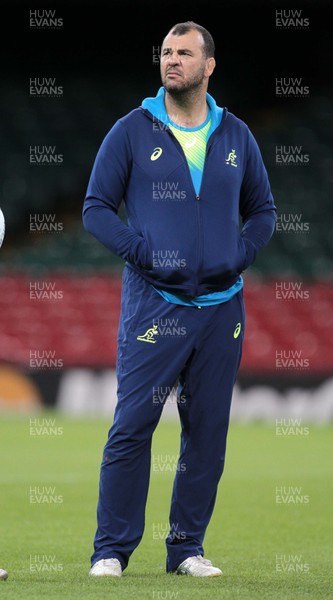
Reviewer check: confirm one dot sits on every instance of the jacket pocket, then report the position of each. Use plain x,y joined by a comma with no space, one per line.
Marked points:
135,293
242,256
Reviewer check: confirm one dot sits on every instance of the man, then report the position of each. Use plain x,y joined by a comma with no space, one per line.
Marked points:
188,172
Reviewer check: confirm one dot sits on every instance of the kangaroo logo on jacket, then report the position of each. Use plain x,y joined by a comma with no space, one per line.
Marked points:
231,160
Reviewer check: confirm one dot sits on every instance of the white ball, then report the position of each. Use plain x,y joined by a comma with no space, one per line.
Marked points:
3,574
2,227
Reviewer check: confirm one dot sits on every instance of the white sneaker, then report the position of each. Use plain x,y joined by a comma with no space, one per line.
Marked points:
198,566
106,566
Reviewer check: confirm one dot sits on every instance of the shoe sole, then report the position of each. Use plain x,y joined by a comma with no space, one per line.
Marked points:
103,575
190,574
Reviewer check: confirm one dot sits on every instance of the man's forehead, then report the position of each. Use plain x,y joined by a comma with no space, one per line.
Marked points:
188,40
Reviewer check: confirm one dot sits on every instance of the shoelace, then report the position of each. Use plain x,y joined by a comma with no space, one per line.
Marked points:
108,562
205,561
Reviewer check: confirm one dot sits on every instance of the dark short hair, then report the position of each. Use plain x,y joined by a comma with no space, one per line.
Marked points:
208,42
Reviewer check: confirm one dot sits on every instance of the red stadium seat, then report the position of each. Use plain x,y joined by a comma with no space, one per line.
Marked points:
78,320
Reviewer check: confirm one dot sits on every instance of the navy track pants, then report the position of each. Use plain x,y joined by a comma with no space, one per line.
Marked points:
160,346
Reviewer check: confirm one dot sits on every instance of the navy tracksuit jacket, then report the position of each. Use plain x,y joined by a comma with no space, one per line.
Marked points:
190,245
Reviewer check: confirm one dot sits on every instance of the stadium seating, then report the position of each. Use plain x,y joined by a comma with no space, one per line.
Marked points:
76,318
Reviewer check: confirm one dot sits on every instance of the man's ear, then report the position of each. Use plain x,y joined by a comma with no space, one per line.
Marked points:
210,66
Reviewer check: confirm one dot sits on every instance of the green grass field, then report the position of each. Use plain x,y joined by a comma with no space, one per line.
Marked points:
269,543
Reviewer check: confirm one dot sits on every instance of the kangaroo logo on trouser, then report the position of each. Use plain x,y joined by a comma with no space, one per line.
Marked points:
149,335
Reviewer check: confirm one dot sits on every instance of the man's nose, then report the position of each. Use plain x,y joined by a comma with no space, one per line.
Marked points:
174,58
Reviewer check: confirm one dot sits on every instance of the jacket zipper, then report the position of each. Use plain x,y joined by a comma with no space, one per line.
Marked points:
197,209
198,197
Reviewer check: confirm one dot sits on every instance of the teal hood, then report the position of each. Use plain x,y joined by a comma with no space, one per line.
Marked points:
156,107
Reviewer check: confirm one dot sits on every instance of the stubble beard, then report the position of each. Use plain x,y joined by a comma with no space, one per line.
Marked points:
185,89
